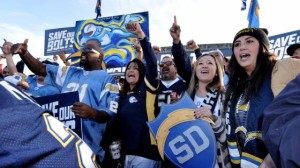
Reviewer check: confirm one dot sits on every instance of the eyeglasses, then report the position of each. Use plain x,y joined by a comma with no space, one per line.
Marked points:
168,63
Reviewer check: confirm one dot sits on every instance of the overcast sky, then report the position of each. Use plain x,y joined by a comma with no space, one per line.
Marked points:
205,21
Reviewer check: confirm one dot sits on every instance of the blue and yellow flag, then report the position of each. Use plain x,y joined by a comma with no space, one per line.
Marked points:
253,14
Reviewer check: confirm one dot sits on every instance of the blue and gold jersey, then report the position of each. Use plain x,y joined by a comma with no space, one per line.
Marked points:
96,88
136,108
164,92
30,137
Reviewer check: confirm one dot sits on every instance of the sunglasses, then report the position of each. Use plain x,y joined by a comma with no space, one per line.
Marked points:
168,63
88,50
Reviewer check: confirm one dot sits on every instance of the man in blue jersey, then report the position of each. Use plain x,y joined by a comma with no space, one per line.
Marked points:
31,137
98,91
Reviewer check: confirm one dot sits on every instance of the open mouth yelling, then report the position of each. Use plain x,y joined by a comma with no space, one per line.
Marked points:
244,56
204,71
165,70
130,76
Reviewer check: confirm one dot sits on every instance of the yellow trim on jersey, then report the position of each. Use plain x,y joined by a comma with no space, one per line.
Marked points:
248,155
112,87
64,143
232,143
254,135
63,70
236,161
150,100
78,154
152,88
234,152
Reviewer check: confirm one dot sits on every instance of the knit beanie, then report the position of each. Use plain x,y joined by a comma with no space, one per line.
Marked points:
261,34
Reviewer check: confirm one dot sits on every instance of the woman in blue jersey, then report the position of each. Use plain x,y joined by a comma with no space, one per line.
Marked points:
136,104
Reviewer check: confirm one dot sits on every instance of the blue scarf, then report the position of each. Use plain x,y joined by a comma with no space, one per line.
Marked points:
253,151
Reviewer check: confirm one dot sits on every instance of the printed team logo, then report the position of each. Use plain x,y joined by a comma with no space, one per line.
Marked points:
184,140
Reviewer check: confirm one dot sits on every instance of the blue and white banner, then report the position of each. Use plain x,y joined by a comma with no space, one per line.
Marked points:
59,39
60,106
184,140
279,43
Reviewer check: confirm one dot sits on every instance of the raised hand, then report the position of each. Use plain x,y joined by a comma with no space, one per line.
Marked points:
20,48
191,45
135,28
6,47
156,49
175,31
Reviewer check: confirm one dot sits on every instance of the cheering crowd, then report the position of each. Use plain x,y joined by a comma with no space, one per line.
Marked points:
251,99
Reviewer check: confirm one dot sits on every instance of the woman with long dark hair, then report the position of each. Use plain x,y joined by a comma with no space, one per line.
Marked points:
136,108
252,71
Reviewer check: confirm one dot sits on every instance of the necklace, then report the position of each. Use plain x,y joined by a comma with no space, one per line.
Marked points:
241,113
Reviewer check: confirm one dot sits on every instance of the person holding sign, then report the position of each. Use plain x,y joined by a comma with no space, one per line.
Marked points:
31,137
98,91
